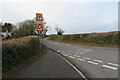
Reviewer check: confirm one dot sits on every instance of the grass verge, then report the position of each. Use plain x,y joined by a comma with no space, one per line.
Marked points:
109,39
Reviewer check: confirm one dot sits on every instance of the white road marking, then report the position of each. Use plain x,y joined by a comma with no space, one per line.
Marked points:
62,43
65,55
110,67
97,60
76,55
85,51
81,52
113,64
83,76
86,58
68,54
67,44
92,62
80,59
71,57
58,51
55,43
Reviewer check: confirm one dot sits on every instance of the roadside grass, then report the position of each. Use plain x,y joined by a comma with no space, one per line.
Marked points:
19,52
109,39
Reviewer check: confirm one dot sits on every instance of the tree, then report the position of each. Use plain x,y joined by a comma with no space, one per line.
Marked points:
26,28
1,24
46,28
59,30
7,27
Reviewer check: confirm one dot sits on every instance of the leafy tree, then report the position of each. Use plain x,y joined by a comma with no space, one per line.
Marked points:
25,28
7,27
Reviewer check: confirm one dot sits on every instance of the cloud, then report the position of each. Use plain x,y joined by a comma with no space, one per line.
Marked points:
70,16
60,0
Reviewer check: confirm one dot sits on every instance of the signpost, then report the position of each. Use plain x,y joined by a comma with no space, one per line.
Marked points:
40,27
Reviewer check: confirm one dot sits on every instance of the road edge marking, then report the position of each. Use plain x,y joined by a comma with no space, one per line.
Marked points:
75,68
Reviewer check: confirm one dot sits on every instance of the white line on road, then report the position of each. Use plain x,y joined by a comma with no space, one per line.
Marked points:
55,43
85,51
92,62
65,55
81,52
86,58
67,44
83,76
62,43
97,60
71,57
113,64
68,54
110,67
76,55
58,51
80,59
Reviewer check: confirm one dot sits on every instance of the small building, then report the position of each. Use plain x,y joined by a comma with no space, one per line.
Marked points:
6,34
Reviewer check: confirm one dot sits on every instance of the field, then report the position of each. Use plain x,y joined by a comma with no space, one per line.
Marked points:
108,39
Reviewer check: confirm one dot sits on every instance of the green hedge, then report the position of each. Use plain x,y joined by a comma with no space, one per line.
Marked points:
109,39
16,51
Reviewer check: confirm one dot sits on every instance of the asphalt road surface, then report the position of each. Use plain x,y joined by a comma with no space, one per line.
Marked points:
94,62
50,65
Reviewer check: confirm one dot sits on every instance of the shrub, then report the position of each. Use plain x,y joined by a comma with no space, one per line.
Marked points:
16,51
108,38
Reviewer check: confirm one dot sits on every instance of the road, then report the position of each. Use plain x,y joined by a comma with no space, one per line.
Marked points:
94,62
50,65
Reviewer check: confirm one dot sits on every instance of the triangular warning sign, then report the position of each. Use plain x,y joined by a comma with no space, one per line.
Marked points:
39,17
39,27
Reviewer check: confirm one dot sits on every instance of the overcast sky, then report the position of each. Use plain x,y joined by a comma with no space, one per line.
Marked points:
73,16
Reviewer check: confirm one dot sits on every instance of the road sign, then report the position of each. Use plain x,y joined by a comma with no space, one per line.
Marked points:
39,17
39,27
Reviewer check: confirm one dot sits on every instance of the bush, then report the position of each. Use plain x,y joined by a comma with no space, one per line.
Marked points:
103,39
16,51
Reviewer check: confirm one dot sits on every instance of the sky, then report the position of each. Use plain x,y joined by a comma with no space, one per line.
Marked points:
73,16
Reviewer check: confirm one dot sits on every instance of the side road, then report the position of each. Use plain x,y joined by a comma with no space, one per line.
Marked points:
49,65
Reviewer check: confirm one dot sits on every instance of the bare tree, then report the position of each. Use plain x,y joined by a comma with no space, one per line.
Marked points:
59,30
46,28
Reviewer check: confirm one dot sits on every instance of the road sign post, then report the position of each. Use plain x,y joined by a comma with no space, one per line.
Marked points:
39,27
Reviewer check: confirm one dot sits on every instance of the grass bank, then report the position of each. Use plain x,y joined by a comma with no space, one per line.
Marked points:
108,39
17,51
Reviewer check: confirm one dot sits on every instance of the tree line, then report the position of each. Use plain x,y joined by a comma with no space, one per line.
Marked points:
26,28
